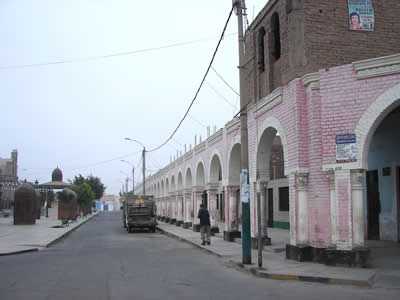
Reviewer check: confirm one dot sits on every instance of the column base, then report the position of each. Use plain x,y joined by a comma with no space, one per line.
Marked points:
266,241
230,235
299,253
357,257
214,230
172,221
196,227
179,223
187,225
166,219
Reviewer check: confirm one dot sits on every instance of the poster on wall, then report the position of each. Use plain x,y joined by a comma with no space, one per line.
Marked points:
346,148
361,15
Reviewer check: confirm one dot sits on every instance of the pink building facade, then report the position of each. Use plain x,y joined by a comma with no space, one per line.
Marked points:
339,134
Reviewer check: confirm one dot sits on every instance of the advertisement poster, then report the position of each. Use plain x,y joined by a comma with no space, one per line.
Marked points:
361,15
346,148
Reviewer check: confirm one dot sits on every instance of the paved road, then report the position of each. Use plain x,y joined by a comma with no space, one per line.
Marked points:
101,261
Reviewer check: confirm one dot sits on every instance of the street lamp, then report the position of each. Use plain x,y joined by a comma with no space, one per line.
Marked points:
133,175
144,162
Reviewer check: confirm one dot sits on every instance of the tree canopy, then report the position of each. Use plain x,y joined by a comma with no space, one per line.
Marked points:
94,182
84,192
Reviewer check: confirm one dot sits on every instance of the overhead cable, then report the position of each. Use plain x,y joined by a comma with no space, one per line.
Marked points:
201,84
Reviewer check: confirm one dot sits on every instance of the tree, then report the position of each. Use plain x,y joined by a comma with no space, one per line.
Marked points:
94,182
85,193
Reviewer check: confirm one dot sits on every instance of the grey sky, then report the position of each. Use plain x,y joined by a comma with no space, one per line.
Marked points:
76,115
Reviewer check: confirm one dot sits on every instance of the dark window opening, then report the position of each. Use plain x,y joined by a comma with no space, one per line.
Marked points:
220,174
284,198
260,43
276,36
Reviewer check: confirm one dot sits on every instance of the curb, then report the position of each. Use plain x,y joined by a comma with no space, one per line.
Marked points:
19,252
264,274
68,232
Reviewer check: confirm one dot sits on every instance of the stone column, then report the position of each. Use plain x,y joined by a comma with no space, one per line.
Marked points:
357,207
233,208
188,208
301,185
212,200
180,206
334,208
197,193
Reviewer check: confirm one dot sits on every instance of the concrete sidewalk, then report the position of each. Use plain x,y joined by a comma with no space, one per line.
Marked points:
28,238
275,264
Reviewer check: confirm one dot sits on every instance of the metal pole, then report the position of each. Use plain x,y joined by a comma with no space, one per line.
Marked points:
259,240
133,180
244,160
144,171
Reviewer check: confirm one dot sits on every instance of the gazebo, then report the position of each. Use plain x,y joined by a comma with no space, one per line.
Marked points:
56,183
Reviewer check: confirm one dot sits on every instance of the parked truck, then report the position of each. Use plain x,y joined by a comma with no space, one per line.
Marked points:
139,212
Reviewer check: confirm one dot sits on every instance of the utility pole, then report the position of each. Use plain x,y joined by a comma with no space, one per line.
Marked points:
133,180
144,171
244,156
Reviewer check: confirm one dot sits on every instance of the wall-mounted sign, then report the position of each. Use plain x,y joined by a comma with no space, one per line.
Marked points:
244,186
361,15
346,150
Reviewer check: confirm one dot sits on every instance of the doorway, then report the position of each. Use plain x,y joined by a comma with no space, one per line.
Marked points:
270,200
373,205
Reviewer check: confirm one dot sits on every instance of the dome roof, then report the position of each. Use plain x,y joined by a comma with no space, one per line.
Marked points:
56,175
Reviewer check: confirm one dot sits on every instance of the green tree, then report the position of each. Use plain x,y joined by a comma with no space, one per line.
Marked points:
95,183
84,192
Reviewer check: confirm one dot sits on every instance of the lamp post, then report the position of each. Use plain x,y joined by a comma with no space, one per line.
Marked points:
144,162
133,175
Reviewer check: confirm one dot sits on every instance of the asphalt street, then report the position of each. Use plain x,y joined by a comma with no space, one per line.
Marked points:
100,260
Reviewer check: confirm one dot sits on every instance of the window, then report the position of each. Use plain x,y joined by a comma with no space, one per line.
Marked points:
260,44
276,36
284,198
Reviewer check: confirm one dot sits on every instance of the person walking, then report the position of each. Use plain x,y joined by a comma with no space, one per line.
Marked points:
204,217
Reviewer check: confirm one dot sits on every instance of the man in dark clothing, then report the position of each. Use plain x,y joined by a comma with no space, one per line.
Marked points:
204,217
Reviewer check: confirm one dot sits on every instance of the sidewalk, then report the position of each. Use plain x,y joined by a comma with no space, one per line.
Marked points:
27,238
275,265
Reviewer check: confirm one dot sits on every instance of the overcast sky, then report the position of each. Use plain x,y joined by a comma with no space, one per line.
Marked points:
75,114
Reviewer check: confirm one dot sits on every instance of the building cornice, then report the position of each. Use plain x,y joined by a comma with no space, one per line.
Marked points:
268,102
380,66
310,81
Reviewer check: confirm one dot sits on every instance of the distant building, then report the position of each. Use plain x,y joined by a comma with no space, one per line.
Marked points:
8,179
108,203
8,168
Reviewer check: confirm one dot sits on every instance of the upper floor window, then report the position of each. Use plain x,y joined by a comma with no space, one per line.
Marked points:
276,36
260,46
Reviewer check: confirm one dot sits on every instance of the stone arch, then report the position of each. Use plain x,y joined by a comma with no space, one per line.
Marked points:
180,181
267,133
200,174
215,166
162,188
370,120
172,185
188,178
234,165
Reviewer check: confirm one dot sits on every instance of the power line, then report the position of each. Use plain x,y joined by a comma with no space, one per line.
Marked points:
222,78
94,58
201,84
201,124
219,94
